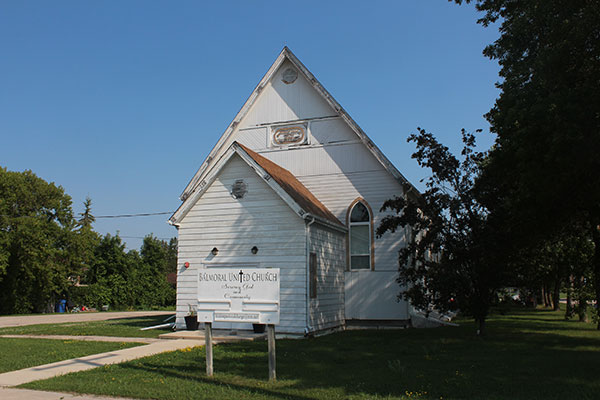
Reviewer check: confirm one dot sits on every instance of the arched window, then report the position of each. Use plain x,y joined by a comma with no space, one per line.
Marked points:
360,236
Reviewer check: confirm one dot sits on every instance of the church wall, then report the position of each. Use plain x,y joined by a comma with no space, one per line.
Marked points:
234,226
327,309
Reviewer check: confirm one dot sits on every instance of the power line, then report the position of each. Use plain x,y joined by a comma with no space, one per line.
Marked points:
99,216
141,237
134,215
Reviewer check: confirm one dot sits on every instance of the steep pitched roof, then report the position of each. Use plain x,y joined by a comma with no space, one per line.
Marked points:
286,54
292,186
286,185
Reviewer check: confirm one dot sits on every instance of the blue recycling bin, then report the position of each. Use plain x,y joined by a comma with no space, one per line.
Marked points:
61,307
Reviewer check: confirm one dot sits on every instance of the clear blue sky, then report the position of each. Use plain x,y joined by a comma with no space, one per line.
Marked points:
123,100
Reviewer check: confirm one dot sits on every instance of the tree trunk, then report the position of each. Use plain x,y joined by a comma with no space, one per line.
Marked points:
548,297
556,294
544,298
481,329
582,310
569,311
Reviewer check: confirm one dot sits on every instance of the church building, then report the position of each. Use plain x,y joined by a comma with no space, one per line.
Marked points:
294,183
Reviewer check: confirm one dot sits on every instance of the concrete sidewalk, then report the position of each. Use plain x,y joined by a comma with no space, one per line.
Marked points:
20,394
86,338
15,378
75,317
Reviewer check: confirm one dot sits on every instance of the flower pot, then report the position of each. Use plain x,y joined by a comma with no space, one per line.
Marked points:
258,328
191,323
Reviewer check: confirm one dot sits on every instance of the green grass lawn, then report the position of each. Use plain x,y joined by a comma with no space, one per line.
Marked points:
24,353
125,327
529,355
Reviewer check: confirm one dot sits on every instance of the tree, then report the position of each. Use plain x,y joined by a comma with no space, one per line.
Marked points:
87,219
157,257
36,238
110,258
86,241
452,259
126,279
547,120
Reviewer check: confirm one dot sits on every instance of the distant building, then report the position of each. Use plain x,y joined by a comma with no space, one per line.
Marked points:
294,183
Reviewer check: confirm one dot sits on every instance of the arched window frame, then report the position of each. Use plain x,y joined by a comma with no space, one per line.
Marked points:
371,235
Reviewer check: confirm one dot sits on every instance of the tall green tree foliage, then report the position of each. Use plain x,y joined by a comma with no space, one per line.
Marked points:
452,259
86,218
128,279
36,242
545,162
156,257
86,240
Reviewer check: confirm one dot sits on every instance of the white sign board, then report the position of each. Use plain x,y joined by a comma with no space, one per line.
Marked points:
239,295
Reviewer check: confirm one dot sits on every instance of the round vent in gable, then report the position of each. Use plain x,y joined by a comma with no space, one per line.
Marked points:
239,189
289,76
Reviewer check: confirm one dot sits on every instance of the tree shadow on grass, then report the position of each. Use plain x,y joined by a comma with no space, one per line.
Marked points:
170,372
138,322
468,367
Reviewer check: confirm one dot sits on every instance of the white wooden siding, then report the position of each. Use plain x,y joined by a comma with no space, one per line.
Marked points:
280,102
329,131
234,226
338,191
256,138
374,295
327,310
319,160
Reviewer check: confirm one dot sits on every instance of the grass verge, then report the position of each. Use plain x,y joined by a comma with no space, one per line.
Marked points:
125,327
528,355
25,353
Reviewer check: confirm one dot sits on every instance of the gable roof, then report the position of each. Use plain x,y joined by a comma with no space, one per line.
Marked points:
286,54
286,185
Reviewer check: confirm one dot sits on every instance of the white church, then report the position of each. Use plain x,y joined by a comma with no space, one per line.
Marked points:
294,183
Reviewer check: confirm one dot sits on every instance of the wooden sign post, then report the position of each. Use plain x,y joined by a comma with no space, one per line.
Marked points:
272,358
209,348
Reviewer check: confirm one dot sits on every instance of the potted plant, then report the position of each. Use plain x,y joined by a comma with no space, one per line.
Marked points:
191,320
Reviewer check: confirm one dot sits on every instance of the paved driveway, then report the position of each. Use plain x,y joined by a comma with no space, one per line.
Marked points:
75,317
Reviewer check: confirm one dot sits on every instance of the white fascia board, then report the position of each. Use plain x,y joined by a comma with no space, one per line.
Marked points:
210,177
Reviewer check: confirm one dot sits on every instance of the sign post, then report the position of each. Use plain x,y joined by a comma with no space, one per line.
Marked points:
272,359
247,295
209,349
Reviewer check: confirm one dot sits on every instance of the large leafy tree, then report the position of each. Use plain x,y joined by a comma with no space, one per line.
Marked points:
36,242
545,163
453,258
